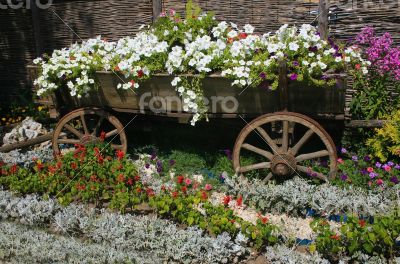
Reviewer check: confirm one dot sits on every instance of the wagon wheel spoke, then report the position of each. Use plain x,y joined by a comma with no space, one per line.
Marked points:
262,152
73,131
85,128
97,126
311,172
68,141
257,166
313,155
268,139
269,176
111,133
302,141
285,136
116,146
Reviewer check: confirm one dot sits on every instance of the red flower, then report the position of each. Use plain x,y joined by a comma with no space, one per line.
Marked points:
361,223
137,178
227,199
239,201
80,187
204,195
140,73
120,154
59,164
121,178
163,187
100,159
230,40
102,136
174,194
358,66
242,35
14,168
96,151
208,187
184,189
93,178
132,82
116,68
39,166
180,179
129,181
138,190
51,169
335,237
232,221
264,220
74,166
150,192
188,181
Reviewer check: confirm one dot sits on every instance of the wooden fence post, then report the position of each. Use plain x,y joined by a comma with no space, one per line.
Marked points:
157,8
323,12
36,28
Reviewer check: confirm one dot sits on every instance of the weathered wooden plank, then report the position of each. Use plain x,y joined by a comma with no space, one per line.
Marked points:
27,143
365,123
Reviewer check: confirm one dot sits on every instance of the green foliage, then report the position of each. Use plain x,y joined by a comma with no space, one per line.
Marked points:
359,235
372,98
187,162
385,143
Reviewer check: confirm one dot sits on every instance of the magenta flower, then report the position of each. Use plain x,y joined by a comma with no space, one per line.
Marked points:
293,76
208,187
188,181
379,181
373,175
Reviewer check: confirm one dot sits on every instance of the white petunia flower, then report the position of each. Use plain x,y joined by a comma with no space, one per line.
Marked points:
249,29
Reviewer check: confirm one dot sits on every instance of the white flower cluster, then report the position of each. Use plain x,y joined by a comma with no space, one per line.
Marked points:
75,64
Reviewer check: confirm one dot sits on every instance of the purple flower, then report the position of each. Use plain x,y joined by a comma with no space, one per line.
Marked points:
364,171
172,162
263,75
397,167
367,158
373,175
354,158
313,49
323,163
147,165
394,179
378,165
390,164
293,76
343,150
153,155
343,177
295,63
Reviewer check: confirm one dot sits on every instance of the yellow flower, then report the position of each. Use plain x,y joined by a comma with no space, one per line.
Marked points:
40,108
3,119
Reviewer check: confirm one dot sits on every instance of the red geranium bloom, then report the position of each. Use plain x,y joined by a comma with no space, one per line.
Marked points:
230,40
184,189
129,181
264,219
39,166
121,178
242,35
163,187
227,199
180,179
116,68
239,201
80,187
335,237
174,194
358,66
93,178
204,195
74,166
361,223
120,154
137,178
140,73
138,190
14,168
52,169
59,164
100,159
150,192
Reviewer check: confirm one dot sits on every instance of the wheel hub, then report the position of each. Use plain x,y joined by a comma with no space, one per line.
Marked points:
89,139
283,164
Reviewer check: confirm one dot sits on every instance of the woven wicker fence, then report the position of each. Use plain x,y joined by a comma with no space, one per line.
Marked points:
27,33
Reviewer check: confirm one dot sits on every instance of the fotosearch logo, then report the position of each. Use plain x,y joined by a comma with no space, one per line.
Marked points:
17,4
158,104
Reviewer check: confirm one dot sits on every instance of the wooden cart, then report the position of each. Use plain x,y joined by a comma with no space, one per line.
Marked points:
283,119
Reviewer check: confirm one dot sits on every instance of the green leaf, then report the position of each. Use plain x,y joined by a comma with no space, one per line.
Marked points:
190,220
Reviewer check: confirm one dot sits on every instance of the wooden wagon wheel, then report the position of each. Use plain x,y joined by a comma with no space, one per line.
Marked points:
280,156
87,125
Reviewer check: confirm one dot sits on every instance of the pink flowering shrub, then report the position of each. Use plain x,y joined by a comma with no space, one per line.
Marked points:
372,98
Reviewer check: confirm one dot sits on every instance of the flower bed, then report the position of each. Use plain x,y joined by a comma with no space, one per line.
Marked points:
199,45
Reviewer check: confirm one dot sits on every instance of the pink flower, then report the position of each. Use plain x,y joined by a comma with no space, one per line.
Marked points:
188,181
208,187
340,161
387,167
379,181
370,169
172,12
